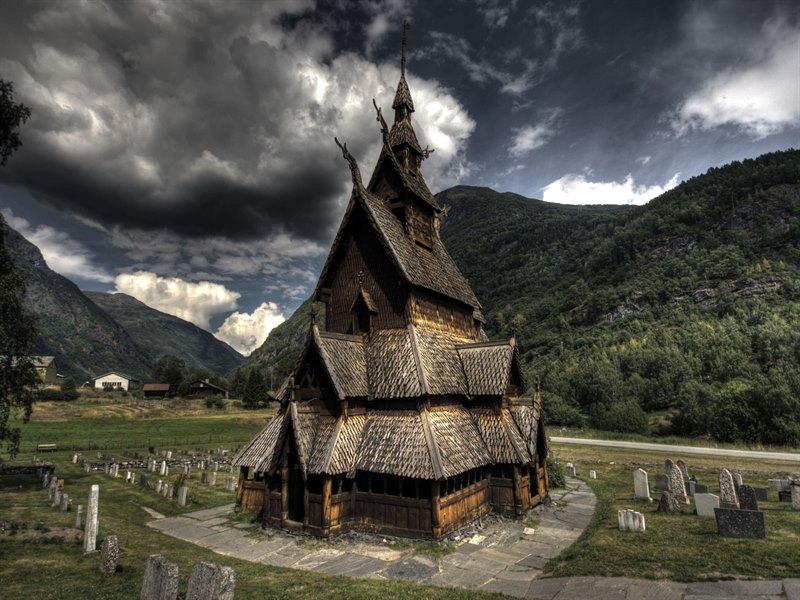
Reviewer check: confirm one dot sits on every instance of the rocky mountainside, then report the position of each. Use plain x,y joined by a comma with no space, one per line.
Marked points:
681,316
85,340
158,333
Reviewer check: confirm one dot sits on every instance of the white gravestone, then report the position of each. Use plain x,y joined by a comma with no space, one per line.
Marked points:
183,491
79,516
592,474
158,487
705,504
795,496
64,503
163,470
630,520
570,469
90,529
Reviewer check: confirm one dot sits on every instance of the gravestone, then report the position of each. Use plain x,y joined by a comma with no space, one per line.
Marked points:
795,495
641,488
212,478
785,496
684,471
700,488
170,492
662,482
79,516
676,485
128,476
630,520
705,504
668,503
143,480
109,554
158,487
46,480
90,529
778,484
169,454
569,469
737,479
183,492
747,498
593,474
163,470
87,468
761,494
727,490
51,491
738,523
204,478
74,459
56,497
160,579
211,582
64,503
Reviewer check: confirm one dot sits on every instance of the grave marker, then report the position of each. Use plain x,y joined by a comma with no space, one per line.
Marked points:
183,491
747,498
90,529
79,516
705,504
727,490
160,579
570,470
64,503
738,523
795,491
592,474
676,485
668,503
109,554
211,582
641,488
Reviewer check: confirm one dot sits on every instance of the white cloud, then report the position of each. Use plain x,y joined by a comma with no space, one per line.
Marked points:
247,331
528,138
62,253
643,160
194,302
576,189
760,95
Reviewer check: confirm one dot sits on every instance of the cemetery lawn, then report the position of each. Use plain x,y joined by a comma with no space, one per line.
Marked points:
679,547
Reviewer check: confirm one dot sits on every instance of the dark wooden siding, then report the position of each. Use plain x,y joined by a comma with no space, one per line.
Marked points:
362,262
465,505
436,313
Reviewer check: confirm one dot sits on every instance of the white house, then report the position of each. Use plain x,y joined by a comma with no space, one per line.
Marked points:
115,381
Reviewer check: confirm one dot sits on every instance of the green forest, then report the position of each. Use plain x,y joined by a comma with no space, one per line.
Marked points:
680,317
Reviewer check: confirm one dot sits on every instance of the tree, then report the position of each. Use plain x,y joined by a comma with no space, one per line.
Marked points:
170,369
255,391
17,333
17,326
68,385
238,383
12,115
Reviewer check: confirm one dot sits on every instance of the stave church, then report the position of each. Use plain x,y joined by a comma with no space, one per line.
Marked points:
400,417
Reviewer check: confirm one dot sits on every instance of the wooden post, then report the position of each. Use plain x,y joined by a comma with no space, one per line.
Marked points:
436,514
518,508
305,504
353,492
327,485
284,489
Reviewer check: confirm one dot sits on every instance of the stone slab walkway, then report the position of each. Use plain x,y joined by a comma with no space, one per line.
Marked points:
503,556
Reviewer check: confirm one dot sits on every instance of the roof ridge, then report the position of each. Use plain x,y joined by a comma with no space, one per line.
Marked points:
423,380
298,446
493,344
337,428
505,417
433,449
326,361
346,337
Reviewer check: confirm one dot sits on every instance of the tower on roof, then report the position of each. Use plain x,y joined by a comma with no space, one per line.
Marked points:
399,415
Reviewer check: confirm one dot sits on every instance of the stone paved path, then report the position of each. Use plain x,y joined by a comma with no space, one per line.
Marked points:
503,557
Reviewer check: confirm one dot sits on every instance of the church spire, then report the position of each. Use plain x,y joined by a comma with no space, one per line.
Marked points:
403,104
403,49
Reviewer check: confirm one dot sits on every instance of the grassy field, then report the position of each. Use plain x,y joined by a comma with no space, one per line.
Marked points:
680,547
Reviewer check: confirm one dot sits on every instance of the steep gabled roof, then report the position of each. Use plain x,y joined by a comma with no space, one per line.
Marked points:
412,184
488,366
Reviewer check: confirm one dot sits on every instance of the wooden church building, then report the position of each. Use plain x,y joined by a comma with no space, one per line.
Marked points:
399,417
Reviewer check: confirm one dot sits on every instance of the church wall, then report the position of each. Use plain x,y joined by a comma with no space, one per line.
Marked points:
363,263
434,313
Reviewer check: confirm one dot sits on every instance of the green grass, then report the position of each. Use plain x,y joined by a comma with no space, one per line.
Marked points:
680,547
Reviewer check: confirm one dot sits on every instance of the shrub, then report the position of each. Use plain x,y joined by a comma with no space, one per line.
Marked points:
56,395
215,402
558,411
625,416
555,472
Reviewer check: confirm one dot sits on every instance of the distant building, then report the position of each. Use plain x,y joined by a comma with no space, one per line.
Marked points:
46,369
155,390
115,381
201,388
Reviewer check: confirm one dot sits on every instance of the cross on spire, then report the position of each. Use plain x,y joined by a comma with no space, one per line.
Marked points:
403,48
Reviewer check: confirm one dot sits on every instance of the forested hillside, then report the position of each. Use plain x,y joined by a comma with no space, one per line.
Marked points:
679,316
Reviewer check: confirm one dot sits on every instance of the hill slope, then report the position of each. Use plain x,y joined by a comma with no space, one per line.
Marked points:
158,333
84,339
682,315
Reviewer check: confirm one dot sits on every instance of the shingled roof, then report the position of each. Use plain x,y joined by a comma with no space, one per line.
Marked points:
431,443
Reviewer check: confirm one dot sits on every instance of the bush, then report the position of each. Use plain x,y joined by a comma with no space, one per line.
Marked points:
558,411
215,402
56,395
625,416
555,472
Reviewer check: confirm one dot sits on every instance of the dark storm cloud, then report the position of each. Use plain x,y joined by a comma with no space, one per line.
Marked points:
202,119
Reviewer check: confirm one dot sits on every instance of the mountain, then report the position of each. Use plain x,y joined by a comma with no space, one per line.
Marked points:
85,340
680,316
158,333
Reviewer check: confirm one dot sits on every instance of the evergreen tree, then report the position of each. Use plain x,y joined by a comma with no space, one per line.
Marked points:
255,391
172,370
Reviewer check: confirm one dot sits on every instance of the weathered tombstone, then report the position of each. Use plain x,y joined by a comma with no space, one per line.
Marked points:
700,488
747,498
778,484
51,490
785,496
163,470
143,480
128,476
169,454
87,468
684,471
737,479
212,478
761,494
63,504
204,478
158,487
74,459
570,470
46,479
727,490
641,488
795,492
676,485
170,492
592,474
166,470
630,520
211,582
57,497
704,505
734,522
662,482
109,554
215,466
183,492
668,503
160,579
79,516
90,529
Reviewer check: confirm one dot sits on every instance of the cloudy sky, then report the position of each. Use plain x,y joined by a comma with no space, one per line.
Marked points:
183,152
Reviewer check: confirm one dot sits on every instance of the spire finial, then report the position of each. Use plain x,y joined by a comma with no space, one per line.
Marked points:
403,48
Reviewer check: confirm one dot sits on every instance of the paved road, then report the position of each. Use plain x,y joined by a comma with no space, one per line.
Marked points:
793,457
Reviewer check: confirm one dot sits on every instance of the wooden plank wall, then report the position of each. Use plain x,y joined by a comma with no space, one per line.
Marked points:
461,507
395,513
501,496
438,314
251,496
